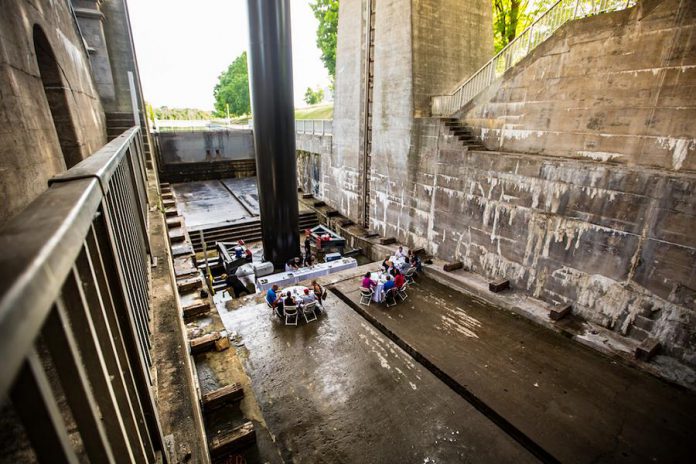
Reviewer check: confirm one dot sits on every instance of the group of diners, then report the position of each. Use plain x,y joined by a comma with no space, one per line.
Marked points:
290,297
294,264
396,273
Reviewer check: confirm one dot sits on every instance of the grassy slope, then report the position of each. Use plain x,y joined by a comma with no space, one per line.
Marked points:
324,111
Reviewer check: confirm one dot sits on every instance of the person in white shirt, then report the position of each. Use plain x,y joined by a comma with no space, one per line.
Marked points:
400,253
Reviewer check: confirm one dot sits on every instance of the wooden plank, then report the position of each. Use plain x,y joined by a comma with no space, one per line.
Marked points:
177,235
319,203
559,312
449,267
170,212
332,213
345,223
204,343
235,440
222,396
168,203
307,196
498,286
182,249
387,240
174,221
190,284
196,309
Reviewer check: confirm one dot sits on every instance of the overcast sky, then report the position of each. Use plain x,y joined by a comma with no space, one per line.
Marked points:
183,46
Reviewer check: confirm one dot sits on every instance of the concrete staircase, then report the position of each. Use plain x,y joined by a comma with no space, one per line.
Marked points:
463,134
248,231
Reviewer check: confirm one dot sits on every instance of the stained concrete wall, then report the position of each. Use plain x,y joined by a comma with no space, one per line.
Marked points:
30,152
597,207
341,170
618,87
205,146
421,47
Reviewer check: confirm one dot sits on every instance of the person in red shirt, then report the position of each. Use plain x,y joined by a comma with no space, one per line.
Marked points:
399,279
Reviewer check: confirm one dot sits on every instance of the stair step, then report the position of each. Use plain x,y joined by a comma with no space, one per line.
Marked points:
227,394
235,440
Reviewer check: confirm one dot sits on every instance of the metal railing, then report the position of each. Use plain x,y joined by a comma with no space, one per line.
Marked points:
560,13
314,126
74,312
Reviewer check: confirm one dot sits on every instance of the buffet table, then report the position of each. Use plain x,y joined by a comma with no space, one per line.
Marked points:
285,279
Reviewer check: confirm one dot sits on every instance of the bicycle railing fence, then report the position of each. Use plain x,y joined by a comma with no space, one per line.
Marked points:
74,312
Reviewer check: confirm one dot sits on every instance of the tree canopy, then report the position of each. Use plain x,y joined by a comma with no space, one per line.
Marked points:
233,89
510,17
312,97
165,112
326,12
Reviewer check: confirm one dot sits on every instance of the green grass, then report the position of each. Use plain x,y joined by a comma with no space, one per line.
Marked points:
323,111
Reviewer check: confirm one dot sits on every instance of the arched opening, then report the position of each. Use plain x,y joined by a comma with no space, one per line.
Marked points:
56,93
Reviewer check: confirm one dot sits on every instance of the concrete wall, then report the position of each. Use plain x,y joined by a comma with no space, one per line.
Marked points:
30,151
205,146
341,170
619,87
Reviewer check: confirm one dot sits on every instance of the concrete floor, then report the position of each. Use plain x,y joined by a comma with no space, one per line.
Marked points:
337,390
576,404
210,202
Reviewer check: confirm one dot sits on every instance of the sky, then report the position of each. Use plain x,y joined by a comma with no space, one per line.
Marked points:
183,46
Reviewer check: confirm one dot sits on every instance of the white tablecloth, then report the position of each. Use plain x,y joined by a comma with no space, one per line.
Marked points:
284,279
380,278
399,263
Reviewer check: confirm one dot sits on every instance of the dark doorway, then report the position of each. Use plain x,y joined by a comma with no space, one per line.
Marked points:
56,90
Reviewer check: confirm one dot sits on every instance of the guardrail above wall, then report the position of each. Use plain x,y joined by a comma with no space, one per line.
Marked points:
74,310
314,126
560,13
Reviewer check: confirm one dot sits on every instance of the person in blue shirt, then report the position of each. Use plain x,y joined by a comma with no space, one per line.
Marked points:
274,301
388,285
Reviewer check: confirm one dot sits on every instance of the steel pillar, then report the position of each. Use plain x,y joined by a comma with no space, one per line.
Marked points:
272,109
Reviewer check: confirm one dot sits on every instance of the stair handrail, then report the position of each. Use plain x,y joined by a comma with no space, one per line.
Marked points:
541,29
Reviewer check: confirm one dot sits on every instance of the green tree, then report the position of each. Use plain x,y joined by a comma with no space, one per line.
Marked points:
326,12
233,89
312,97
511,17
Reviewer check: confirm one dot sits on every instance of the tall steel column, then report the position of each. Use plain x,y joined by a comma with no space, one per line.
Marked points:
272,108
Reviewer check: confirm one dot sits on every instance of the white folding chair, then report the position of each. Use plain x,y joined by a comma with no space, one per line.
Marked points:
366,296
308,309
291,312
390,295
410,276
401,292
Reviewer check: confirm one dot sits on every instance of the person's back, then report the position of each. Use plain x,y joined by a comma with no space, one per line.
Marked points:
271,297
399,280
367,281
289,300
308,297
389,284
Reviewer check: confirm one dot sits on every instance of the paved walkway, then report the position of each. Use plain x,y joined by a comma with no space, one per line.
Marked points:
576,404
338,391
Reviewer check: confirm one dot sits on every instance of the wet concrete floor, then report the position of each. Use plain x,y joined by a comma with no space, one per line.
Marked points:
338,391
578,405
211,202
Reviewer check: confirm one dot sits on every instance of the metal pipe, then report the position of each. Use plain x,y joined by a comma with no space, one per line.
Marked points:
272,106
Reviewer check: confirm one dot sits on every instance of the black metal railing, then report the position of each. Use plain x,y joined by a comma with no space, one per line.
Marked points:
74,312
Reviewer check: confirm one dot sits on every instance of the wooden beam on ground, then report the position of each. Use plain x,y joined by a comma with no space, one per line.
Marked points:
196,309
559,312
307,196
222,396
204,343
498,286
449,267
319,203
647,349
190,284
387,240
332,213
235,440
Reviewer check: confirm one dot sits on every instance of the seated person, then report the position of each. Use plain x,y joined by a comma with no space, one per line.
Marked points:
399,279
234,285
308,297
388,285
309,260
248,256
392,271
400,253
289,300
367,281
292,265
274,300
386,264
415,261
